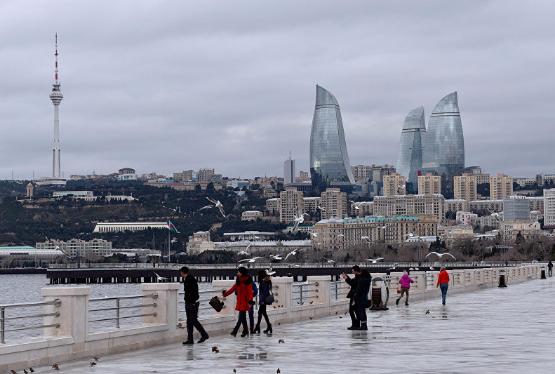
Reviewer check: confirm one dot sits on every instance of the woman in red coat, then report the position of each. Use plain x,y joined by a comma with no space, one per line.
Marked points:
244,291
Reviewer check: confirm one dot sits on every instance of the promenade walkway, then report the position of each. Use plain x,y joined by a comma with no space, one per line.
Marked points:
509,330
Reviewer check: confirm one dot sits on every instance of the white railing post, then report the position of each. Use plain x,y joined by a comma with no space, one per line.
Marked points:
322,289
165,311
282,293
73,308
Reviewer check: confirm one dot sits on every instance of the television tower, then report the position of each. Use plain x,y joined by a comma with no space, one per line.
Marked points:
56,97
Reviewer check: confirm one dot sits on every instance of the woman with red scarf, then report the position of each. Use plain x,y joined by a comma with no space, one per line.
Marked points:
244,291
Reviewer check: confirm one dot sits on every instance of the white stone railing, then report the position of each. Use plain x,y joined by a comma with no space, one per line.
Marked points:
70,334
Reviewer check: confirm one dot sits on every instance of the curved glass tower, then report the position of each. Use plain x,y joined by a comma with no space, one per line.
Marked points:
444,142
410,152
329,161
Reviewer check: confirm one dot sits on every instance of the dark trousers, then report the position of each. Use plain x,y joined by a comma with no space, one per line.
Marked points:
191,310
352,312
360,311
444,287
251,317
262,313
241,321
550,272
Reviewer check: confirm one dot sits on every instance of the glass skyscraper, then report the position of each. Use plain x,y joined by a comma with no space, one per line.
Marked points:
409,163
443,152
329,161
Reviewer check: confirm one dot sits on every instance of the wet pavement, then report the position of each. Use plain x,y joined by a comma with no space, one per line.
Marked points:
508,330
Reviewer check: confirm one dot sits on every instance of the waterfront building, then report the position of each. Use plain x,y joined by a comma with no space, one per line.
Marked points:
394,184
340,234
78,247
549,208
429,184
291,204
84,195
409,163
104,227
289,171
333,204
465,187
443,151
413,205
500,186
329,160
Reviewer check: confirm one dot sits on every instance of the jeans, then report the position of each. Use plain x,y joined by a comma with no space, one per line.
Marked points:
352,312
251,317
262,313
241,321
360,311
443,287
191,310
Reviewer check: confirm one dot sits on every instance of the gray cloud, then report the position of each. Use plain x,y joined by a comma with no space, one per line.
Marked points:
171,85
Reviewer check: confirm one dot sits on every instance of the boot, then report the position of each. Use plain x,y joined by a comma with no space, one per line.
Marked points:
245,333
203,339
268,329
397,301
256,329
234,333
363,326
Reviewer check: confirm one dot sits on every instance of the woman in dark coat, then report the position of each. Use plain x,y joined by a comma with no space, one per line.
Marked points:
361,297
264,290
244,291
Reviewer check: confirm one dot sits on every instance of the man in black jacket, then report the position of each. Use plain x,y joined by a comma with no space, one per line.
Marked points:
190,286
361,297
355,323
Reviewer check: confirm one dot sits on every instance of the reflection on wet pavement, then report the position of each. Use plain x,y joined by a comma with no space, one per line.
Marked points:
497,330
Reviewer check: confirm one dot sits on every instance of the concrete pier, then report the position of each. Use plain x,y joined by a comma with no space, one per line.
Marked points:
159,312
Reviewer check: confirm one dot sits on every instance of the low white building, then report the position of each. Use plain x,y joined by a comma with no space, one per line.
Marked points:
119,198
251,215
82,195
74,247
29,253
103,227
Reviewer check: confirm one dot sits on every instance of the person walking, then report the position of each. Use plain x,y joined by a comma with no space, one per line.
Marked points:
361,298
251,309
352,282
443,283
190,286
550,268
405,282
244,292
265,290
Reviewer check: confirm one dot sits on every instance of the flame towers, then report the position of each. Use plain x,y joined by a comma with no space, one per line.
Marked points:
56,97
329,161
409,163
443,152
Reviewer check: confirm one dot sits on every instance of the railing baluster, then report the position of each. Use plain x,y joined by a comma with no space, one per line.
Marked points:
2,325
117,313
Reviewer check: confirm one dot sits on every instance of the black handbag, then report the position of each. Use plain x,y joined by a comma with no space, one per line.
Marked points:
269,300
216,303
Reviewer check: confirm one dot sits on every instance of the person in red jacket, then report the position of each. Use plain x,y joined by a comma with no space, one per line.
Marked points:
244,291
443,283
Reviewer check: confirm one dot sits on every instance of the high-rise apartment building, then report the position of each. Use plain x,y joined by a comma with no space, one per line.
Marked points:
416,205
409,163
329,161
289,171
205,175
394,184
443,151
429,184
549,208
362,173
500,186
291,204
465,187
333,204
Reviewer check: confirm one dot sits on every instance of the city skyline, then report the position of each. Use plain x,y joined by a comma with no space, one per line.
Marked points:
154,92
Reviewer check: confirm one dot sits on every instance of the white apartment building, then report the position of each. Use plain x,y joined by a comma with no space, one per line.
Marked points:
500,187
103,227
74,247
549,208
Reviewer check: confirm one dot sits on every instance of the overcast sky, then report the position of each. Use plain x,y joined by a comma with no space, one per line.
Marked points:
173,85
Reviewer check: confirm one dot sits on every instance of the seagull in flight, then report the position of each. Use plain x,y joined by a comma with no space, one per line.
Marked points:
292,253
276,257
298,220
441,255
249,260
218,205
375,260
243,253
329,260
159,278
314,234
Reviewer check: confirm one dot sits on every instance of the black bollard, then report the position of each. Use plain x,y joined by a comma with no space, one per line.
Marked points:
543,274
502,282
